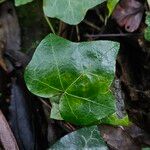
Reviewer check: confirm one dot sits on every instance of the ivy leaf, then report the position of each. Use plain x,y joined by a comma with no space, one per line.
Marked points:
111,4
114,120
147,29
110,120
22,2
55,114
85,138
147,20
69,11
80,74
147,33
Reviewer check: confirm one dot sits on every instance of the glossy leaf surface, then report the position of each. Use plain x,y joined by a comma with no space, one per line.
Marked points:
69,11
85,138
114,120
80,74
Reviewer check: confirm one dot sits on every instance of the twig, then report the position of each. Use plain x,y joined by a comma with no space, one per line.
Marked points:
70,127
60,27
78,33
101,18
50,25
6,136
148,1
114,35
92,25
71,32
43,101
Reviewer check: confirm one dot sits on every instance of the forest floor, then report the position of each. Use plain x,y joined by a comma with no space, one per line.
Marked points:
24,27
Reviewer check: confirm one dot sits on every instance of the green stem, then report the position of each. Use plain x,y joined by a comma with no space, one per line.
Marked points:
50,25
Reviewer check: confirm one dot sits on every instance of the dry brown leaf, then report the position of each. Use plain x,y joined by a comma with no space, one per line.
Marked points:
128,14
2,61
9,31
6,136
118,139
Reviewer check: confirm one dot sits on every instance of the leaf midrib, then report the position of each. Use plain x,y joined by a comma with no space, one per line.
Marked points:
88,100
56,62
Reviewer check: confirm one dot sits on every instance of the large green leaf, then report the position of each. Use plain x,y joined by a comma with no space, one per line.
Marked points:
110,120
69,11
22,2
80,74
85,138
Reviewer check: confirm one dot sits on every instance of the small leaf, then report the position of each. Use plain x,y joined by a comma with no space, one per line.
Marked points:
111,4
147,30
114,120
147,33
147,20
69,11
22,2
85,138
55,113
79,73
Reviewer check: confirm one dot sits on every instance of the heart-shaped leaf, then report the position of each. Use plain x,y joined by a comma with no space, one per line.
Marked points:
22,2
80,74
69,11
85,138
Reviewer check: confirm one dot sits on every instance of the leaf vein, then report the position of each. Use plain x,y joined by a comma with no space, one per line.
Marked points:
88,100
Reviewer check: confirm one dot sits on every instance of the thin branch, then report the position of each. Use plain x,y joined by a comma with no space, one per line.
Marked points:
114,35
92,25
43,101
101,18
78,33
50,25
